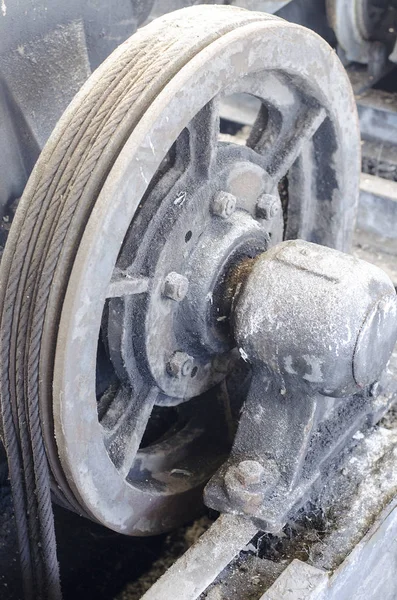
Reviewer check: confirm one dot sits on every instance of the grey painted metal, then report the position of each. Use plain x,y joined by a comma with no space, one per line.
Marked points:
47,52
343,19
105,27
313,323
360,27
111,498
269,6
377,211
368,573
393,55
190,575
378,250
378,123
299,581
37,81
378,116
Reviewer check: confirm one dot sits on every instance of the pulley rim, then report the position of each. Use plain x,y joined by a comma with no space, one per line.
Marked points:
247,42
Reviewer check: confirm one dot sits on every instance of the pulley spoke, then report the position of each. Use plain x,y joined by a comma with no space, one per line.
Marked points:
203,137
123,284
301,207
126,420
280,154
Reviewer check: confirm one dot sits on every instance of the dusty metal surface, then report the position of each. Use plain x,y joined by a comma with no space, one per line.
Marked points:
378,119
94,477
201,564
269,6
364,29
47,52
378,123
377,212
379,250
369,571
302,354
335,550
146,415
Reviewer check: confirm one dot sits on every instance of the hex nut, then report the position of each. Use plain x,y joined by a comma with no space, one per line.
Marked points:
224,205
267,207
175,286
180,364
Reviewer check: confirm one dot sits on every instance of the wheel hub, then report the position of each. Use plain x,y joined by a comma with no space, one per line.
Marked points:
180,336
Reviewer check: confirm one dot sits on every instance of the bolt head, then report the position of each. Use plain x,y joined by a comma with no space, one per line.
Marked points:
180,364
267,207
250,472
175,286
247,483
224,205
244,486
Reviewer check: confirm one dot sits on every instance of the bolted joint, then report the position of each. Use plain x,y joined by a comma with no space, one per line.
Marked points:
267,207
224,205
180,365
248,483
175,286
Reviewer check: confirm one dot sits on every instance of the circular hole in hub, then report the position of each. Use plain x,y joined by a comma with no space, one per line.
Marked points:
194,372
188,236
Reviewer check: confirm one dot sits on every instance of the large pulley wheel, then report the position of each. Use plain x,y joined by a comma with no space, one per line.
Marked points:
135,210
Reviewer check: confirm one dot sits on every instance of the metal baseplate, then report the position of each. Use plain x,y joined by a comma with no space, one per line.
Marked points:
345,551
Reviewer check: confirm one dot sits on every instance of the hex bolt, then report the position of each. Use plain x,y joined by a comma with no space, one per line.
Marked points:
244,485
175,286
267,207
180,364
224,205
248,482
250,472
